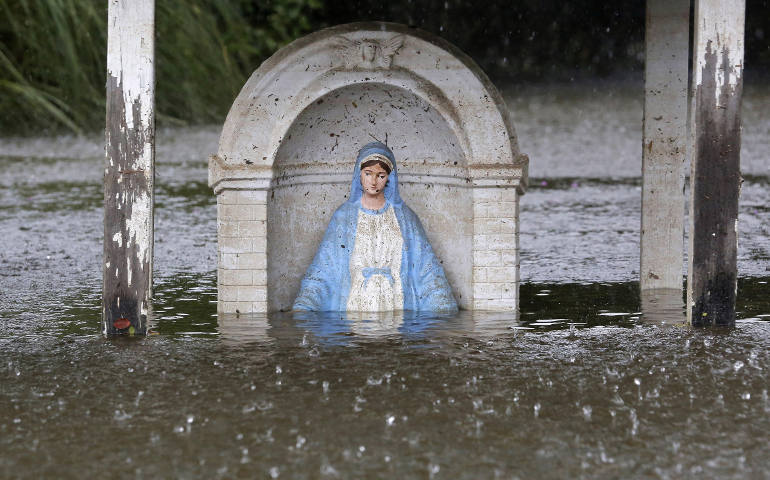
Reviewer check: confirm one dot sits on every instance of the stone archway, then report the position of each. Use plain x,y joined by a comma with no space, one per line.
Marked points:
287,147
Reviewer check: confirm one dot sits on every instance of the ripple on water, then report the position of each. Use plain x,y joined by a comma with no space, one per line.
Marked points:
588,381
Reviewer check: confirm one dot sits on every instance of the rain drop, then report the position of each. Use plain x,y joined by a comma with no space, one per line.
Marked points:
634,422
329,470
587,411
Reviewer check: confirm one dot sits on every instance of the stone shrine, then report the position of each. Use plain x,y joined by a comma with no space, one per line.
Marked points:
290,140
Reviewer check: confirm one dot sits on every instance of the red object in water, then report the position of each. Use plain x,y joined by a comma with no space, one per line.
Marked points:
121,323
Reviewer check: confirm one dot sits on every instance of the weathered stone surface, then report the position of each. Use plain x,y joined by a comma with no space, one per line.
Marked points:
288,147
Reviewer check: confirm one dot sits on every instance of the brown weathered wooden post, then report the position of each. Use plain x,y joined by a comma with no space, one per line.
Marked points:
664,145
715,179
129,171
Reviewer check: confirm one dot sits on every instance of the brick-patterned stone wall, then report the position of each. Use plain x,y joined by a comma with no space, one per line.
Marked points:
242,238
242,261
495,248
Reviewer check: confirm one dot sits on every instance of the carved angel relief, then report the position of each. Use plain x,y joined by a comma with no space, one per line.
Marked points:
367,53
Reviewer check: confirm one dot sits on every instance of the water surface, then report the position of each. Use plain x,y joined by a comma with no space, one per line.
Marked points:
589,380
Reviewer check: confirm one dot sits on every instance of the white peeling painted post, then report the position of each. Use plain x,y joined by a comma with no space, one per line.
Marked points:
664,145
715,179
129,172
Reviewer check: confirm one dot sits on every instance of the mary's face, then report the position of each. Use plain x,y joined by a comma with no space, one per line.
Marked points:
373,179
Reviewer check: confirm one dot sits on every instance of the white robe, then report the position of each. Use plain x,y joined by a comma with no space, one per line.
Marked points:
375,263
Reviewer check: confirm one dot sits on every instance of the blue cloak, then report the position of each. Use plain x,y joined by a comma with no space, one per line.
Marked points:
326,285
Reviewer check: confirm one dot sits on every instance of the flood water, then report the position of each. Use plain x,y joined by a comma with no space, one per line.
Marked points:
588,381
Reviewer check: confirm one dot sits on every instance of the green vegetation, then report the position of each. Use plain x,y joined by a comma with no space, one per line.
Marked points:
52,52
53,57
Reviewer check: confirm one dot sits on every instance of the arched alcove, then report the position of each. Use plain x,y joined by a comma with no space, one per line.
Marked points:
312,174
286,155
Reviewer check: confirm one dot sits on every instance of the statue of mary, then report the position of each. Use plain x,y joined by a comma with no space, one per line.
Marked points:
375,256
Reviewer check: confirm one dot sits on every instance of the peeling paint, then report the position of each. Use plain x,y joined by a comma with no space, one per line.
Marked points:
129,174
715,187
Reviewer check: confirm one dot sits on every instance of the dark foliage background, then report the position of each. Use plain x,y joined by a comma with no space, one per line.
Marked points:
52,52
528,40
544,40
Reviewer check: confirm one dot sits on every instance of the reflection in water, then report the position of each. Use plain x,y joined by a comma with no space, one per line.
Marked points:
663,306
234,329
380,323
346,328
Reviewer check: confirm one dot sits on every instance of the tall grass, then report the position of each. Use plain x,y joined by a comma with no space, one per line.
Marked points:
52,52
51,64
53,58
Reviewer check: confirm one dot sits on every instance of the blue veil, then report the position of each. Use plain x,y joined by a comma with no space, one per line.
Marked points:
326,284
